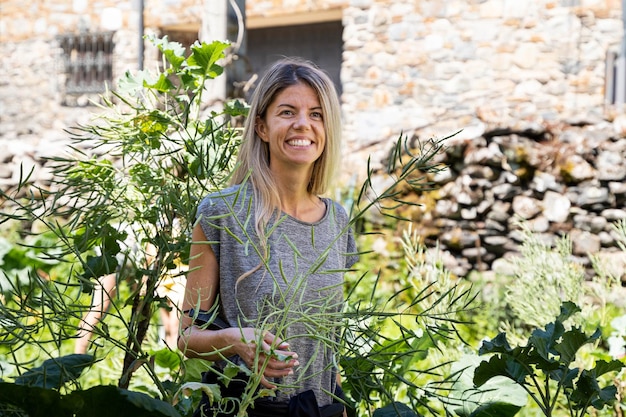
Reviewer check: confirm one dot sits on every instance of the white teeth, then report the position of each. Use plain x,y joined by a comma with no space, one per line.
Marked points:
300,142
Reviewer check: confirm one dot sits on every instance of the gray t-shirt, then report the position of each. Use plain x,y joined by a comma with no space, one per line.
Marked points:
296,293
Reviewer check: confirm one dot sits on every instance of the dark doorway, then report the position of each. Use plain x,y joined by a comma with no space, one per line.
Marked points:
318,42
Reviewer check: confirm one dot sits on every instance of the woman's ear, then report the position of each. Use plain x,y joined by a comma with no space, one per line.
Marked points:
260,128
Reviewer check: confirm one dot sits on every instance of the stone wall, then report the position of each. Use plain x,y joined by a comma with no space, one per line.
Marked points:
34,110
566,179
415,65
424,68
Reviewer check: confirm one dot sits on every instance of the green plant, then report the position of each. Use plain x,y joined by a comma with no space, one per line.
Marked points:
121,202
544,275
126,207
382,346
545,369
400,320
37,393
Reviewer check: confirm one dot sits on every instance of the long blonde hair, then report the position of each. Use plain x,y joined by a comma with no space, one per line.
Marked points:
254,158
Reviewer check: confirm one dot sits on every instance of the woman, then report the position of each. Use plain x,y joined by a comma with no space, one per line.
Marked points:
270,253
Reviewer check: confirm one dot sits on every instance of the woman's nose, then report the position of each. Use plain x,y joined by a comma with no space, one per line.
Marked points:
301,121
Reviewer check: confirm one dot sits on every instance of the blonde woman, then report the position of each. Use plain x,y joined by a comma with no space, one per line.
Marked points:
270,243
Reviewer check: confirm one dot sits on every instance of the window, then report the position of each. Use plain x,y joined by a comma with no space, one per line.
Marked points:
87,61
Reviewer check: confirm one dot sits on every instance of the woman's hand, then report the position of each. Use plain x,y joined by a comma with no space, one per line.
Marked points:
274,359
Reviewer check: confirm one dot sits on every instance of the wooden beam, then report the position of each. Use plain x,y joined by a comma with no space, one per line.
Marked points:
292,19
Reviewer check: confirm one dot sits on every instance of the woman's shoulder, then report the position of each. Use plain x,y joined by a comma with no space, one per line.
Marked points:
335,209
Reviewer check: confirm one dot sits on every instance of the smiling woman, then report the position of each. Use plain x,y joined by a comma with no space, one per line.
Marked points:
269,254
293,127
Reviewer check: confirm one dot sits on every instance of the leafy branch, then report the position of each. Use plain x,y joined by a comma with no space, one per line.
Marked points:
122,201
543,367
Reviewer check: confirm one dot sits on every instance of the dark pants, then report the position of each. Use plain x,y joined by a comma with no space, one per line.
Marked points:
302,405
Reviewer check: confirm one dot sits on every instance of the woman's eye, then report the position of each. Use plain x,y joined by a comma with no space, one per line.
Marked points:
316,115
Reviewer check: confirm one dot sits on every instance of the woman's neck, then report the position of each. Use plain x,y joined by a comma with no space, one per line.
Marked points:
297,201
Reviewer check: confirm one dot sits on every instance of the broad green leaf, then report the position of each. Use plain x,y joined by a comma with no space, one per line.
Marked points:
162,84
35,401
586,388
544,340
151,406
205,57
568,309
107,400
99,401
194,368
496,409
231,370
98,266
565,376
397,409
131,83
174,52
500,366
167,358
602,367
572,341
499,396
211,390
498,344
606,397
55,372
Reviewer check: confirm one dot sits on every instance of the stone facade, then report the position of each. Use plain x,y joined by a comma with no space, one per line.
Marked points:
424,68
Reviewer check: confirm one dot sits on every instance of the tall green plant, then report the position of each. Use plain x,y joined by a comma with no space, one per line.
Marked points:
127,195
545,367
123,200
544,275
382,347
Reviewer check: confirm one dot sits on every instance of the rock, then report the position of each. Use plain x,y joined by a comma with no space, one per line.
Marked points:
610,166
589,223
584,243
577,170
613,215
555,207
593,195
543,181
499,245
505,191
539,224
458,238
526,207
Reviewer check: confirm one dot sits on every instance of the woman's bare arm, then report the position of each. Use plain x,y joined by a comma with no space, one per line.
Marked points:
200,294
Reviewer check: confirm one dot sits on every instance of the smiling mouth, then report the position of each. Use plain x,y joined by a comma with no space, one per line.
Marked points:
299,142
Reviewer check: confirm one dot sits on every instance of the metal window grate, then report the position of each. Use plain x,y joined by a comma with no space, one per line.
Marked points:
87,61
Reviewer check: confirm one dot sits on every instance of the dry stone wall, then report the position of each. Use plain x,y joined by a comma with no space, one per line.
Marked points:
566,179
523,80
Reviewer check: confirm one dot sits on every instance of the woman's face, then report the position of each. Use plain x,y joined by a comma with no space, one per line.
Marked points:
293,127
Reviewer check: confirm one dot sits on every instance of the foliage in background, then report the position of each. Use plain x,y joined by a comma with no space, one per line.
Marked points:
544,275
544,367
497,310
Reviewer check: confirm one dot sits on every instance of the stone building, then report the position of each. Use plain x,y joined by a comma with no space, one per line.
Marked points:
423,68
